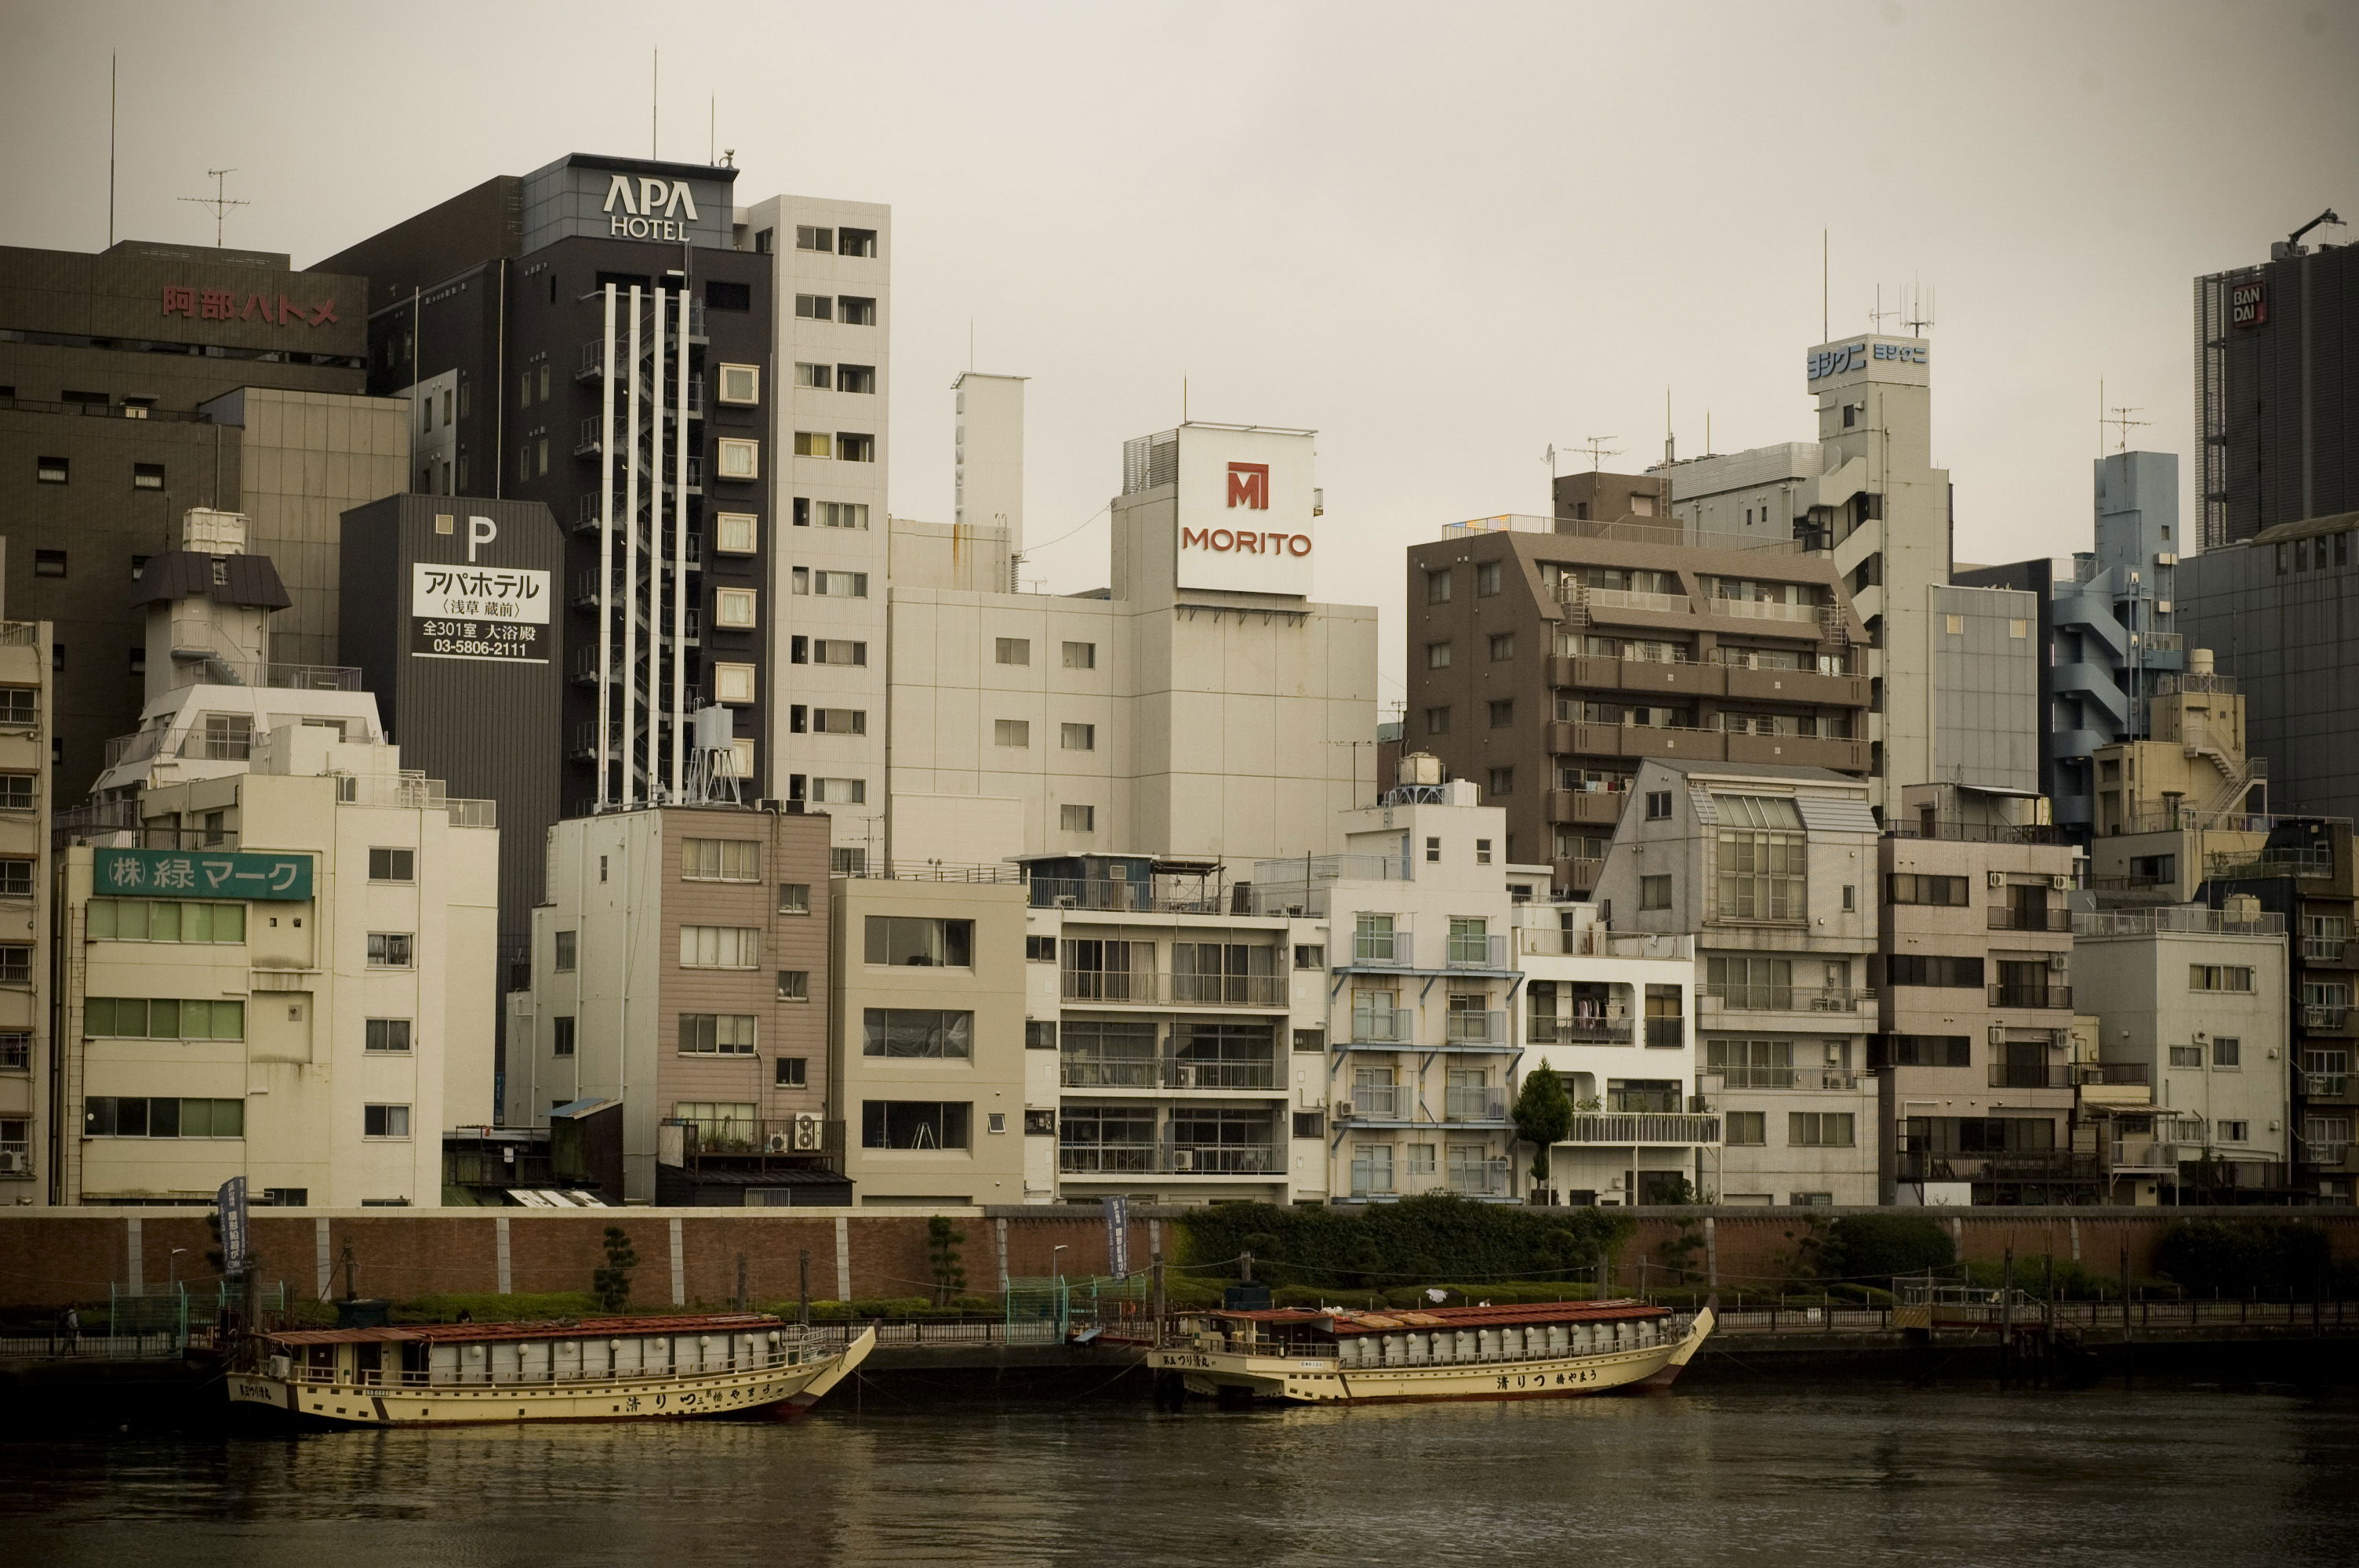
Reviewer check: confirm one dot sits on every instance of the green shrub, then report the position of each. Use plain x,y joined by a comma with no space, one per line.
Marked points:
1432,1238
2237,1256
1872,1247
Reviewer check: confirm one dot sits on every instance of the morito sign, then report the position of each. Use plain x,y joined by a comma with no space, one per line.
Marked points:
1246,521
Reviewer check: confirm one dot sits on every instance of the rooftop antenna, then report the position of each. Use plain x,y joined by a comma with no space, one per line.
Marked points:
1598,451
712,129
1879,313
218,200
1920,314
655,89
2121,417
110,151
1826,322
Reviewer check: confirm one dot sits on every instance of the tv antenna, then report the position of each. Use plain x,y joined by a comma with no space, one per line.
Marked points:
1598,451
1920,312
1879,313
2120,416
220,201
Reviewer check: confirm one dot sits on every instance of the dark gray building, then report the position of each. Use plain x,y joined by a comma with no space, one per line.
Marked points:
451,612
2281,612
148,379
2276,390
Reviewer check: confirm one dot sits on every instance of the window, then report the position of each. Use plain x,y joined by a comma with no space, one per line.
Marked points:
1503,712
1314,1041
1080,655
1486,580
560,1036
1849,899
851,514
1372,1169
741,458
1040,1034
16,1050
162,920
1309,956
839,720
2018,629
2219,977
733,683
1039,949
1658,805
128,1115
839,792
388,1035
51,470
1932,970
1309,1124
1762,875
856,378
1500,780
1437,586
847,861
716,1033
814,444
1908,888
1011,732
814,308
1815,1200
389,949
384,1121
1040,1124
565,946
393,865
1437,720
718,1122
793,985
917,1033
740,384
136,1018
736,533
736,609
1655,893
2227,1051
1503,646
794,898
1818,1128
920,941
913,1124
1437,655
1745,1126
1433,850
2235,1131
146,476
1077,737
48,563
1482,853
1925,1050
854,311
1418,1160
1955,625
720,861
855,241
832,585
2190,1056
807,238
1012,650
1076,818
791,1072
719,947
854,449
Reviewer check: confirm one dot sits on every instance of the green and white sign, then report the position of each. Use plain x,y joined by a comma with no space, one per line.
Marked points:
201,873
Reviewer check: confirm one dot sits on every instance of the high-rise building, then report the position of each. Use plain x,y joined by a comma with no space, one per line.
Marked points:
148,379
27,1149
2276,390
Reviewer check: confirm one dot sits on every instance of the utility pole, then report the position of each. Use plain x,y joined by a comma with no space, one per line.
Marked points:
802,1288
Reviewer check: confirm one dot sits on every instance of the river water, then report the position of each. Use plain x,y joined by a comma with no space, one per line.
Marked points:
1784,1475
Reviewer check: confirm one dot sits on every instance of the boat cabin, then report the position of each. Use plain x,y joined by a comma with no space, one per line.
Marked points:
612,1349
1435,1336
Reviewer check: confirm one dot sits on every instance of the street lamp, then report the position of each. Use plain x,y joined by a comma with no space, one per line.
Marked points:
1056,1271
172,1266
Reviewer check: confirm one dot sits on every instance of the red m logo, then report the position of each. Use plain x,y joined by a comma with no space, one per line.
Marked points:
1249,485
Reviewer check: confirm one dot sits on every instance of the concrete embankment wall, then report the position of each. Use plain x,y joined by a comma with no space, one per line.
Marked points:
51,1256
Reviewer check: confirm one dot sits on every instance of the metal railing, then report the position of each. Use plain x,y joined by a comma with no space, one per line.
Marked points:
1169,1160
799,1139
2030,1075
1477,950
1392,949
1788,999
1155,987
2324,1015
1636,599
1472,1027
1639,1128
1785,1077
2004,995
1666,1033
2115,1073
2291,861
1181,1073
1129,986
1548,1030
1376,1102
1760,609
1142,896
2319,949
2197,921
2004,917
1231,990
20,633
1494,1179
1377,1026
1464,1105
1978,832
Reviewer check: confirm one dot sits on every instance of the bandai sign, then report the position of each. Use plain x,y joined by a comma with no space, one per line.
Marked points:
2249,302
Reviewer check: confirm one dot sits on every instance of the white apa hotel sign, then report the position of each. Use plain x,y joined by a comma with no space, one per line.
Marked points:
478,612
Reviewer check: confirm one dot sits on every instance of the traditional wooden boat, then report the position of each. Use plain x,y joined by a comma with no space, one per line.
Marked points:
1336,1355
614,1368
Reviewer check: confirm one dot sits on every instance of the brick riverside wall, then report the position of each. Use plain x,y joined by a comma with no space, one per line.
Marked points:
49,1256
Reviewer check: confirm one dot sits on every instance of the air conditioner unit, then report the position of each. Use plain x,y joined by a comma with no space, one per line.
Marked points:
811,1133
1998,1034
777,1143
1342,1107
2166,560
1997,878
14,1164
1183,1159
2061,882
2056,961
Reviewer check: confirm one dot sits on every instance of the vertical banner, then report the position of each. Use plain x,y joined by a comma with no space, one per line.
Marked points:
1117,1219
232,1200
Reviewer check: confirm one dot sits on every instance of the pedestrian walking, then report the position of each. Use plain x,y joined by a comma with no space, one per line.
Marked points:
70,1330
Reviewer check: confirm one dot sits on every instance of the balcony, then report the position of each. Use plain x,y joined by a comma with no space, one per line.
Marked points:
1797,685
2031,996
2003,917
1581,738
1153,988
1172,1160
1586,807
2301,860
2323,949
1624,599
1141,896
1383,949
1382,1026
1761,610
1230,990
1492,1179
1639,1128
2326,1086
802,1141
1679,677
591,440
1376,1103
1472,1028
2327,1016
1787,998
1978,832
1666,1033
1477,950
1786,1078
1839,754
1544,1031
2113,1074
2030,1075
2040,1166
1467,1106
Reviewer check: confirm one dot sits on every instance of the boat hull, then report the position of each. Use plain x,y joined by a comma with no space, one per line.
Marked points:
1323,1381
771,1391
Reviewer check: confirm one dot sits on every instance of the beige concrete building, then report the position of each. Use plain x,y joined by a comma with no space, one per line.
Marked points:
927,1064
26,1142
2190,791
681,968
287,974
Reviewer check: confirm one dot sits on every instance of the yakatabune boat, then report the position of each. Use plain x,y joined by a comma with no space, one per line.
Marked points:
1323,1355
615,1368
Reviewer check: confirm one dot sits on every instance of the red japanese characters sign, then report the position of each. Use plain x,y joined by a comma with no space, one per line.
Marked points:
221,304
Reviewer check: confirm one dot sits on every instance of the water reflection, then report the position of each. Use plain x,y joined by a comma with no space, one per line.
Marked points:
1845,1475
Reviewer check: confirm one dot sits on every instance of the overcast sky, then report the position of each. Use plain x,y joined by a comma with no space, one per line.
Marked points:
1446,236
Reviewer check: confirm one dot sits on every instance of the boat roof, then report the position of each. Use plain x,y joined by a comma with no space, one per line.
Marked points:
1351,1320
550,1328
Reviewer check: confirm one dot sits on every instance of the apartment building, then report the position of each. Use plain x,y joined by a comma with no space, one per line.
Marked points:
2189,1003
2190,790
1177,1035
286,973
1614,1014
27,1144
929,1070
1772,870
1550,657
1976,1084
1202,706
680,966
1417,1017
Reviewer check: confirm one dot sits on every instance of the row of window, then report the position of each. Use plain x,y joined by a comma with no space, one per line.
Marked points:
842,445
1804,1129
1018,651
852,310
1016,734
59,471
835,377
